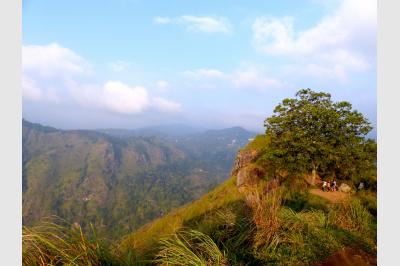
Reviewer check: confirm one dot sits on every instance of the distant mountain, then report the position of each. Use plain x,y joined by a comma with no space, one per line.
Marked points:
173,130
119,181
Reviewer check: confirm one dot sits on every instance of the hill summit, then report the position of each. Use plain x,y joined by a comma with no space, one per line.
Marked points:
272,210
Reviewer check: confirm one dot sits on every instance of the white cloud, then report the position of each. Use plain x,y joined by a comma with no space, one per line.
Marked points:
52,61
204,73
30,90
162,85
345,39
166,105
318,72
206,24
46,68
118,97
113,96
121,98
162,20
253,78
119,65
54,73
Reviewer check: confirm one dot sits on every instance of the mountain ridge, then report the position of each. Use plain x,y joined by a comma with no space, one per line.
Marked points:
116,183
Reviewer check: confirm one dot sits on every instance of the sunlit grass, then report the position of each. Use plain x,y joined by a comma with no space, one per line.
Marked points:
56,242
190,247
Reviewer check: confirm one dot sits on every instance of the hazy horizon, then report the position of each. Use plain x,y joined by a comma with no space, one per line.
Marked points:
131,64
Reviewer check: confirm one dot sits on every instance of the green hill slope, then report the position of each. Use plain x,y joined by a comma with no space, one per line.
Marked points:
255,223
115,183
271,211
247,220
145,238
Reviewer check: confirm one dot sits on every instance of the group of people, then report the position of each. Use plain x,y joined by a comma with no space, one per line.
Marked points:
329,186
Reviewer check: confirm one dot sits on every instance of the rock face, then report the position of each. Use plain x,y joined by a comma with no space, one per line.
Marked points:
249,175
344,188
245,171
243,159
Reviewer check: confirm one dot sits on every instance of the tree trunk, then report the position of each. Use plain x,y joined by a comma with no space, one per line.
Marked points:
314,174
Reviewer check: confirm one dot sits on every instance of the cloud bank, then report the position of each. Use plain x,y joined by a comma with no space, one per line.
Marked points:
341,42
52,73
248,77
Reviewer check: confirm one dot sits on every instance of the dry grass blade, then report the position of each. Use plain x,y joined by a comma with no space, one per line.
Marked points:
55,242
190,247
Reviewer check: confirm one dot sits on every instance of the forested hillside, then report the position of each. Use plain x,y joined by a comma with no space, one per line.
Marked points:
273,210
119,183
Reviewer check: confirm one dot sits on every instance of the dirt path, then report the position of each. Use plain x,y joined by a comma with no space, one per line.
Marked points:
334,197
350,257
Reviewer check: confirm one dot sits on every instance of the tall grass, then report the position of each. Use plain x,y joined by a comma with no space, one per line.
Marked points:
56,242
265,207
192,248
352,216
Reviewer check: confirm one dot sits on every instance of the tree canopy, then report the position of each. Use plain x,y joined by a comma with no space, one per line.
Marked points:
311,133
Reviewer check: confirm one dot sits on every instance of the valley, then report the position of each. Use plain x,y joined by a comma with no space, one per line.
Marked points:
119,182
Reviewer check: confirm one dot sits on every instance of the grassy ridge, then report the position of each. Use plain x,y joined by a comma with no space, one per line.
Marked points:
284,226
144,239
223,227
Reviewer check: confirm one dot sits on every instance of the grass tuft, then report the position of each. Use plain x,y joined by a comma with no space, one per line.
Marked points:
190,247
56,242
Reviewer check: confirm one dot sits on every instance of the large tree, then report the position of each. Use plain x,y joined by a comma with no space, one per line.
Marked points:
311,133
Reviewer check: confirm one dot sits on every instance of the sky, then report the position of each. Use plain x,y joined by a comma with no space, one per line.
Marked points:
211,64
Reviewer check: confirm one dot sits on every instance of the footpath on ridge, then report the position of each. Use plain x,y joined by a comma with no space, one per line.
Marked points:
332,196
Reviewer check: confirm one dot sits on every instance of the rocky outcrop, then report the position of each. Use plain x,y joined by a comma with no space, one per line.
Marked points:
249,175
344,188
243,158
246,172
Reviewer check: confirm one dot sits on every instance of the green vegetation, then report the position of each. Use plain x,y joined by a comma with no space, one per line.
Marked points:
144,239
55,242
190,247
311,133
270,232
259,143
119,184
256,229
269,217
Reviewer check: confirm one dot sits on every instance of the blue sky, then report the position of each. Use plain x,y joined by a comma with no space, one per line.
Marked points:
134,63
